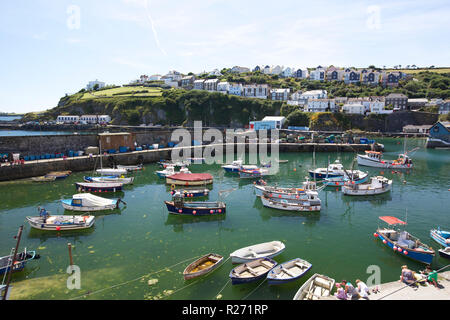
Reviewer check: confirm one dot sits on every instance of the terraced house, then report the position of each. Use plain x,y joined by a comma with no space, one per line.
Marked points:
260,91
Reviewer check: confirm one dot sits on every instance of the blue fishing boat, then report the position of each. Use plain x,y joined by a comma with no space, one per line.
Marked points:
288,271
252,173
252,271
404,243
441,237
21,260
236,165
355,177
195,208
333,170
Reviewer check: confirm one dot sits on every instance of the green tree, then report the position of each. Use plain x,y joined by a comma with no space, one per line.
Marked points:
298,118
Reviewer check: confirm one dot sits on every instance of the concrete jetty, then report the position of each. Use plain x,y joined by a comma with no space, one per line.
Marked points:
397,290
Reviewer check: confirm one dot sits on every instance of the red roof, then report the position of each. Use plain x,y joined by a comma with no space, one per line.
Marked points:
191,176
392,220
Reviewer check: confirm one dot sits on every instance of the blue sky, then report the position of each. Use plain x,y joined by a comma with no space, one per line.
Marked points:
49,48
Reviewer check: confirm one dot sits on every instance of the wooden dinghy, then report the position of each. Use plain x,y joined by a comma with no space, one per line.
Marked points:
43,179
288,271
316,287
202,266
190,179
261,250
252,270
440,236
87,202
59,174
21,259
99,187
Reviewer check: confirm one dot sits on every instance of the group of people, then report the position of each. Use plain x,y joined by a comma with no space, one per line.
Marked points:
412,278
346,291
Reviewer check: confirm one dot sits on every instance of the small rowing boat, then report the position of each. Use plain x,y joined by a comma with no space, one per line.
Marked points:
202,266
316,287
288,271
445,253
252,270
441,237
261,250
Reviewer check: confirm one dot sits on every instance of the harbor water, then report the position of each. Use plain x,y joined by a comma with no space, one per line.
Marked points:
141,241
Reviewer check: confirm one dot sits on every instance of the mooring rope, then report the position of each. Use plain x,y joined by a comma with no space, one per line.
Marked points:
129,281
229,280
406,285
203,278
254,289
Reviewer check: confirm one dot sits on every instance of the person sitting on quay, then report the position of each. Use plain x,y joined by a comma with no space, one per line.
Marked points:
431,276
340,294
363,290
351,292
407,277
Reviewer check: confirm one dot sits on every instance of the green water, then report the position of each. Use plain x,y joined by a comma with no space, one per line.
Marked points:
142,238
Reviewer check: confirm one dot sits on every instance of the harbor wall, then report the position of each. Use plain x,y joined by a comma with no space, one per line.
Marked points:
88,163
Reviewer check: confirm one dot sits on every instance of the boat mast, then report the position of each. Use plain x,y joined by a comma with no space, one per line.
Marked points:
19,235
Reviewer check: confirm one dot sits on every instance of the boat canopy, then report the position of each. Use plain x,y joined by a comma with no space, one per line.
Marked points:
392,220
87,199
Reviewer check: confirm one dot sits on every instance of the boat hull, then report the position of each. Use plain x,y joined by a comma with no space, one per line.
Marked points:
273,280
109,179
192,193
196,211
19,265
67,205
366,192
38,224
444,254
321,176
242,280
240,256
364,160
303,207
302,293
413,254
99,187
288,194
187,274
441,237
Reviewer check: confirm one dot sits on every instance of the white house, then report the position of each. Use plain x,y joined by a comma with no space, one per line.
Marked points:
267,70
155,77
288,72
68,119
354,108
301,73
92,84
88,118
280,94
260,91
315,94
279,121
235,89
318,74
223,87
211,84
351,76
277,70
215,72
320,105
199,84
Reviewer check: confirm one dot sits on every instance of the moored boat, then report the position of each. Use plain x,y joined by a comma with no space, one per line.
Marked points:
404,243
45,221
445,253
441,237
88,202
377,185
238,164
288,271
333,170
190,193
131,168
59,174
190,179
252,173
316,287
170,170
375,159
202,266
107,179
252,270
99,187
195,208
21,260
261,250
311,204
278,192
112,172
352,177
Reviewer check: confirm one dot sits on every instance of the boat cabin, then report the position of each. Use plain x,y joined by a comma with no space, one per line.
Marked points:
374,155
